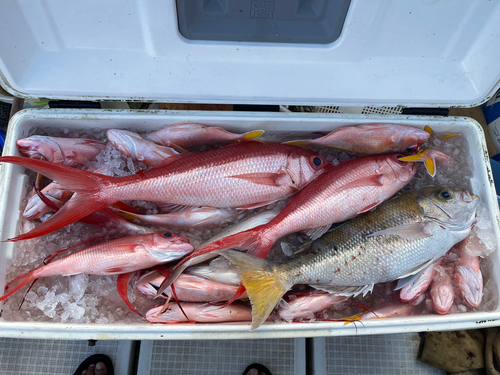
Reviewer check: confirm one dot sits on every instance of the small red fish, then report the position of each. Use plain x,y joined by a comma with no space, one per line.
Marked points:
371,139
72,152
198,217
188,288
122,255
188,135
442,293
139,149
308,305
468,274
200,313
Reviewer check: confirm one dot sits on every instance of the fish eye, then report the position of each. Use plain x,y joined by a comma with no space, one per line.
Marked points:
445,194
317,162
167,234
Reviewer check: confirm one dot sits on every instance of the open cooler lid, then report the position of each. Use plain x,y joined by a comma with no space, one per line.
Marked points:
412,53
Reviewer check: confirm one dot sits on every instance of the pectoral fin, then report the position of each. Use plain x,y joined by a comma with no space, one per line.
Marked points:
373,180
411,231
368,208
269,179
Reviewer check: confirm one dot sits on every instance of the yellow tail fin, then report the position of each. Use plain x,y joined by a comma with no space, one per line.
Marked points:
264,286
253,135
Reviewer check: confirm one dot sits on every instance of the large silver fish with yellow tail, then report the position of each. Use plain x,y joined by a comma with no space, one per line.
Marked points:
397,241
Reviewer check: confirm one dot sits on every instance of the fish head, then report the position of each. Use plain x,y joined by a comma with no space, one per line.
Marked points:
442,295
452,209
168,246
149,283
41,147
304,166
402,171
124,141
409,140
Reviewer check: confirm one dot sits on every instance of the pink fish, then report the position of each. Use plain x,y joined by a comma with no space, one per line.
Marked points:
139,149
188,135
244,175
200,313
417,288
188,288
377,138
468,275
442,293
72,152
199,217
308,305
351,188
392,310
122,255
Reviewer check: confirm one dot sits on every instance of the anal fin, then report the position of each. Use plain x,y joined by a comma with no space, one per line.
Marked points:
346,291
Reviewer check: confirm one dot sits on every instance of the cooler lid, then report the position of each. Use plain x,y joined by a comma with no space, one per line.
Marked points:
412,53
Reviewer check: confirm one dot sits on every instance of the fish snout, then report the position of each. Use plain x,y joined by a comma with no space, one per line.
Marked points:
183,245
466,197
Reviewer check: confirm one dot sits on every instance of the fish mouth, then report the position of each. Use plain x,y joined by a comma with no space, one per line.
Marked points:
182,246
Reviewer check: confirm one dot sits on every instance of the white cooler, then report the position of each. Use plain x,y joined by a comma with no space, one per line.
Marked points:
425,53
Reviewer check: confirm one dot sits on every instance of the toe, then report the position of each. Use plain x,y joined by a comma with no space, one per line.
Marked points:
90,370
100,369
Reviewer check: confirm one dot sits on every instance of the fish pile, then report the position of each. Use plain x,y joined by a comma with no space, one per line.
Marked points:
219,227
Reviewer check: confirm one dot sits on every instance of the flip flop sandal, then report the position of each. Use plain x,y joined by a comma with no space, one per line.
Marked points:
93,359
260,368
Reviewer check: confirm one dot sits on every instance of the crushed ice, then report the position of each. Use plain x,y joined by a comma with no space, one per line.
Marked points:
93,299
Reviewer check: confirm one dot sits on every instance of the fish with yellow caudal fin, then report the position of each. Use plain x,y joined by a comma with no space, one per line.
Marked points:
429,156
188,135
379,138
398,240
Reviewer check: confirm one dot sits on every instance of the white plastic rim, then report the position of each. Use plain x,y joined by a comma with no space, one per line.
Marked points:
426,53
12,181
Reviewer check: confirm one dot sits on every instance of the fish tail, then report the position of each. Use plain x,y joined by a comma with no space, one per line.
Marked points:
252,135
86,202
264,286
252,240
19,282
